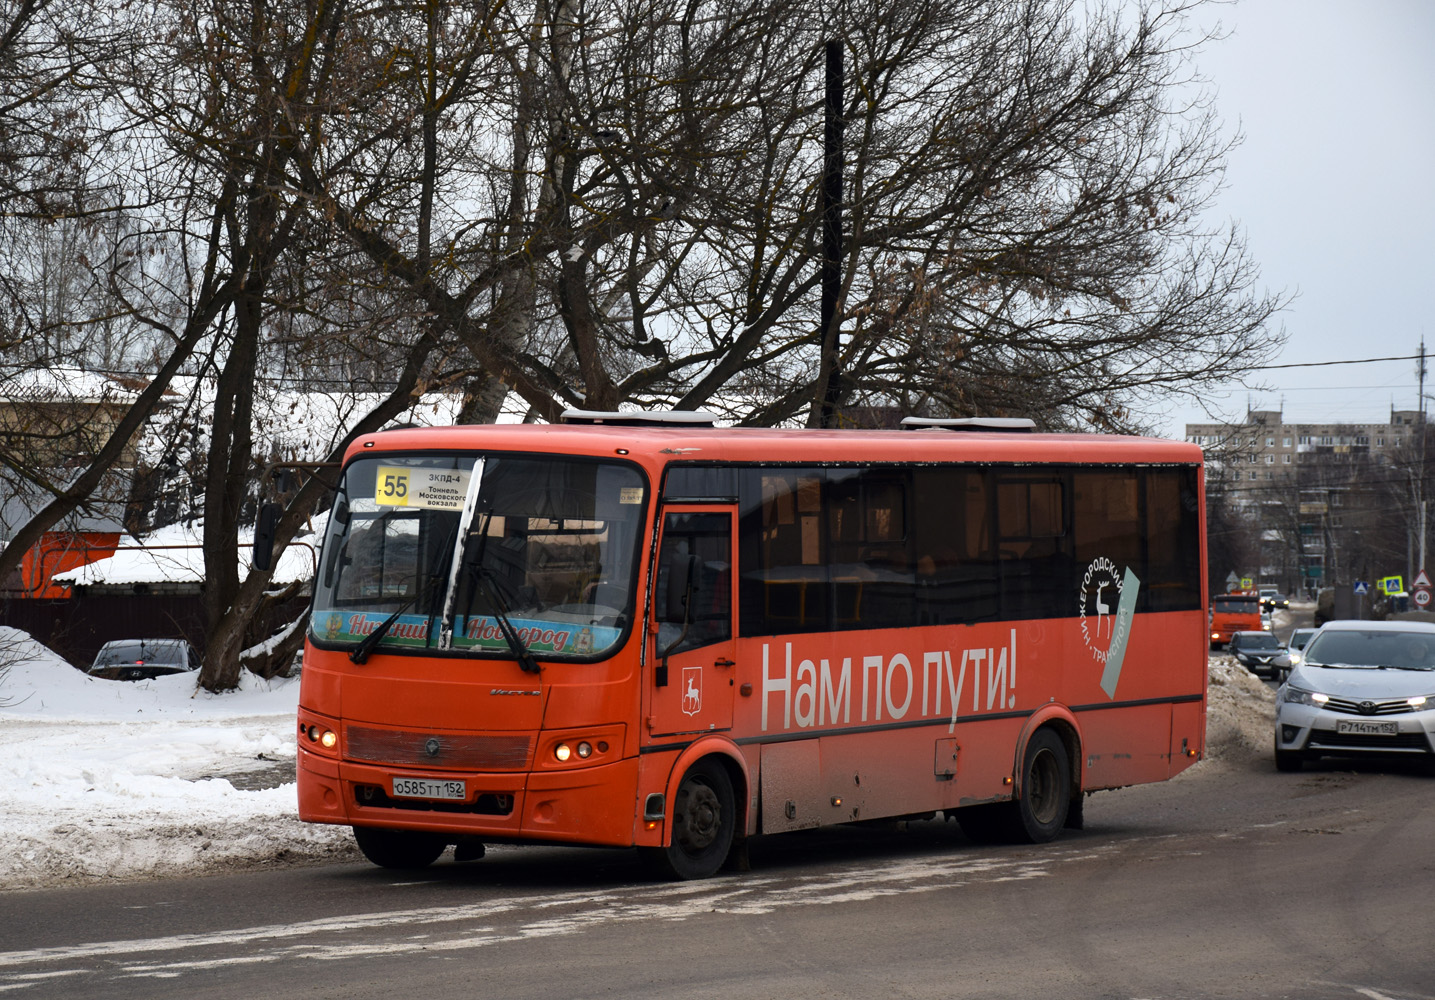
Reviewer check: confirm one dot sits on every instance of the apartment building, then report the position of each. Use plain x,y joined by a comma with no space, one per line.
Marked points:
1265,451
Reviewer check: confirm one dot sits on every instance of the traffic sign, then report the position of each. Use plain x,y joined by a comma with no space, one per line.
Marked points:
1247,583
1361,587
1392,585
1421,580
1421,597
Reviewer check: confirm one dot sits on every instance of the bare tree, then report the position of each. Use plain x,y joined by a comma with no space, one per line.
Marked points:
605,202
613,202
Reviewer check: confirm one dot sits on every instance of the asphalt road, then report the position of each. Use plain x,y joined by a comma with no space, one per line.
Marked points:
1230,881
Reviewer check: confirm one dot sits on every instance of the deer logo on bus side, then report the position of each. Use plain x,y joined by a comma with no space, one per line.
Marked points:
692,690
1100,576
1112,625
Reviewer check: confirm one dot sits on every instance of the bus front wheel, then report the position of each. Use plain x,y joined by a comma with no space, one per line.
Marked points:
703,821
398,848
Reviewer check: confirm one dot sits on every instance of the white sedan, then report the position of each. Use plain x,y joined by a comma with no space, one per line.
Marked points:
1363,689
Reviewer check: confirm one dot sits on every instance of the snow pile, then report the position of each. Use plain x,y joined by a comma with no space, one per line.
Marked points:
1240,711
117,779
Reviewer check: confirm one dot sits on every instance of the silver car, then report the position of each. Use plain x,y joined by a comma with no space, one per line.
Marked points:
1295,645
1363,689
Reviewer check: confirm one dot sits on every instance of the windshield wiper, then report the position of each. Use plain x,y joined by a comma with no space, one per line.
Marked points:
500,614
366,645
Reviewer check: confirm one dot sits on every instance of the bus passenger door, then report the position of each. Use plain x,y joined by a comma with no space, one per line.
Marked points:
691,653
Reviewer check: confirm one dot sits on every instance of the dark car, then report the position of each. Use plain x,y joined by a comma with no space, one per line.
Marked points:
141,659
1272,599
1261,653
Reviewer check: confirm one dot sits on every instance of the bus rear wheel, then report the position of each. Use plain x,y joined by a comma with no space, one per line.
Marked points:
704,817
1040,810
398,848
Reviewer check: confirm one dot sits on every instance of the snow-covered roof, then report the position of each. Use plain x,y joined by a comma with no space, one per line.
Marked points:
15,511
32,385
176,555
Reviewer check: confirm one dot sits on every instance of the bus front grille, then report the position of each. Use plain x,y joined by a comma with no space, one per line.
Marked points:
508,752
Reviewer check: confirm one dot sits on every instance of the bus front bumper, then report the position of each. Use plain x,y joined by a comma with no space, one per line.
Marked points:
590,805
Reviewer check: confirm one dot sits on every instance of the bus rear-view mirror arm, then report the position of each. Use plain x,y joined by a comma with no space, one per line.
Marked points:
683,576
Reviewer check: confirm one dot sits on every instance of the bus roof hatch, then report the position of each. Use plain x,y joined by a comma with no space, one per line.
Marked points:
641,418
1007,424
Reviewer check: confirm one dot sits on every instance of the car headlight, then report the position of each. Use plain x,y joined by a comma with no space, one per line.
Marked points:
1295,657
1300,696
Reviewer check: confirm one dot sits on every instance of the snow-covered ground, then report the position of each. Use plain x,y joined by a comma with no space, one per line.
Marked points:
120,779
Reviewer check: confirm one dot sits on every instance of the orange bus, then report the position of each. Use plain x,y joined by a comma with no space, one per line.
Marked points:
1239,611
640,630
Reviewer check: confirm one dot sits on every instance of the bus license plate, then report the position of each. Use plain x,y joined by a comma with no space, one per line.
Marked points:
427,788
1368,728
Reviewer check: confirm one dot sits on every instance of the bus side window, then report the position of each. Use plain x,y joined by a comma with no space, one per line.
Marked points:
1108,522
702,541
1172,540
1034,545
955,579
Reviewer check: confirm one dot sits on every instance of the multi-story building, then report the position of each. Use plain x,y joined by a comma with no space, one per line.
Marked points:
1325,503
1263,451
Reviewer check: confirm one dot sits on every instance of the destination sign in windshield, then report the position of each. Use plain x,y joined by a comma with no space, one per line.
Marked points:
431,489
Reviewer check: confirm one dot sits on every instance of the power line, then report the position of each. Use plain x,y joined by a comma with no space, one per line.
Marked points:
1323,364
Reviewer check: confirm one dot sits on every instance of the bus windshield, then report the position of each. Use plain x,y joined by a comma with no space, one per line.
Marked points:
549,543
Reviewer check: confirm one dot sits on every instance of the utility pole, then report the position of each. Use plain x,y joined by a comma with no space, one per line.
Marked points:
1420,483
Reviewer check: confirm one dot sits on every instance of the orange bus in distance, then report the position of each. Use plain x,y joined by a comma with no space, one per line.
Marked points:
1232,613
641,630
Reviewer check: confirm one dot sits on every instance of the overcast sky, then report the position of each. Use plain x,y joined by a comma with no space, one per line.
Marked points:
1333,187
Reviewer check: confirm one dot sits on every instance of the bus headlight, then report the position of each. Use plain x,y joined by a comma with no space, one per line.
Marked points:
564,752
318,735
580,748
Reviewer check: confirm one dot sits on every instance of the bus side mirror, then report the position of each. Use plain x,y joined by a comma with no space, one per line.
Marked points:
264,535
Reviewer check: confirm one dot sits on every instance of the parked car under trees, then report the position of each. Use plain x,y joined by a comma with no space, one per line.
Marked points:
143,659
